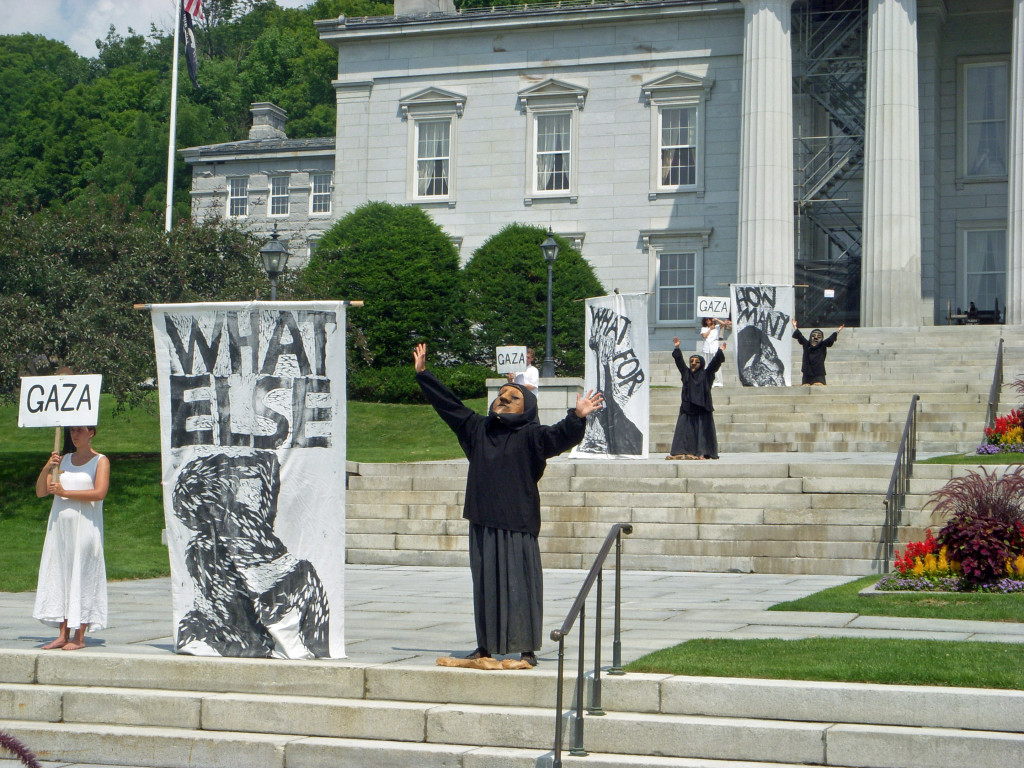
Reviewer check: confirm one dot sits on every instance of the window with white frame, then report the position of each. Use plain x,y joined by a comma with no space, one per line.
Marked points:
552,109
678,146
677,128
433,143
984,262
279,196
238,197
311,246
984,104
320,197
552,151
677,289
676,260
433,157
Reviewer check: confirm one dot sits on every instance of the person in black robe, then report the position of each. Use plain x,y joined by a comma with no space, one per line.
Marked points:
695,436
815,351
508,451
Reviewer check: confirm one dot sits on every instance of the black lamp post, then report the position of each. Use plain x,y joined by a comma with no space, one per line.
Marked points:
275,259
550,250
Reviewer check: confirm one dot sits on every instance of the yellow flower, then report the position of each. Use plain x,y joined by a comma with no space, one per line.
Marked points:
943,562
918,566
930,564
1018,564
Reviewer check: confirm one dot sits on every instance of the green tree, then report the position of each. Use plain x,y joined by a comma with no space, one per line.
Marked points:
506,291
69,276
406,269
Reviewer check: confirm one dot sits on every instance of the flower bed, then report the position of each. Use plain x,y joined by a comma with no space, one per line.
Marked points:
1007,436
981,547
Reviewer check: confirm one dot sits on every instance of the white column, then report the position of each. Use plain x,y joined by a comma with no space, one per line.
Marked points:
765,252
891,265
1015,189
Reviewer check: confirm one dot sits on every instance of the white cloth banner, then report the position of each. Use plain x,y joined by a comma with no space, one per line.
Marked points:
617,366
762,331
252,436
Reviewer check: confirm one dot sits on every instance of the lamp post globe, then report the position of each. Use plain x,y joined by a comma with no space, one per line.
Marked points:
275,259
550,250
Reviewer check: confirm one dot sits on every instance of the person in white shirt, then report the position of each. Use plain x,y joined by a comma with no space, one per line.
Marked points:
529,378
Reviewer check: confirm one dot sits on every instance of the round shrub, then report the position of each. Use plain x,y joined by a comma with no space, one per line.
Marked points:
403,265
506,292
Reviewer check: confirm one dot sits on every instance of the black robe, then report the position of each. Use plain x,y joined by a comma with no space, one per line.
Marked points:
813,366
695,427
507,457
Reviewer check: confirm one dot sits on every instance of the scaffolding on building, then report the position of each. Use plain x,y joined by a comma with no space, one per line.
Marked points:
829,104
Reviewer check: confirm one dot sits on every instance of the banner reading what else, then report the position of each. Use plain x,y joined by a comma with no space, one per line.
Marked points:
252,415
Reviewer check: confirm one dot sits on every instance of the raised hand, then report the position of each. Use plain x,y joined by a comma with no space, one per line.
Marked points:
794,323
419,358
675,342
593,401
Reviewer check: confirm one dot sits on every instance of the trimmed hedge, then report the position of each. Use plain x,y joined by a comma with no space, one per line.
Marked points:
397,384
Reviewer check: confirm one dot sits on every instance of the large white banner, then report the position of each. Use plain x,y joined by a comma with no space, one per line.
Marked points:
762,329
617,365
252,422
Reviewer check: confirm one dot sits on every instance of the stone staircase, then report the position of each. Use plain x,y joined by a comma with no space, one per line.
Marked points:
810,515
177,711
872,375
813,517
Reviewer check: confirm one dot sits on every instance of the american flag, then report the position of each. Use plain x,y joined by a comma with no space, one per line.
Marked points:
194,8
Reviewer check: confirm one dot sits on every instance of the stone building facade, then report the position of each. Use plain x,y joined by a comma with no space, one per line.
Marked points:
871,149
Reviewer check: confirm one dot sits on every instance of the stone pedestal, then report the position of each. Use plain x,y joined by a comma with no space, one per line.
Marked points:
891,266
766,243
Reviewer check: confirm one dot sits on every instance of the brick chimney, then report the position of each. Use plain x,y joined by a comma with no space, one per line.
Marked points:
268,121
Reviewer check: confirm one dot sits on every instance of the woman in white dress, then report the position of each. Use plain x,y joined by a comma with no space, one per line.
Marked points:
72,588
709,330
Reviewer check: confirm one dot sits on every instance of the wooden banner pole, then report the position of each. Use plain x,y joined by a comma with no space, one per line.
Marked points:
56,448
353,303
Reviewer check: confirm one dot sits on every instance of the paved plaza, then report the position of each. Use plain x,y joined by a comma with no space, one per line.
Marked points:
408,614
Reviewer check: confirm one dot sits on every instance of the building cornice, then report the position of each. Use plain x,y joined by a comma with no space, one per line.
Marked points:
341,30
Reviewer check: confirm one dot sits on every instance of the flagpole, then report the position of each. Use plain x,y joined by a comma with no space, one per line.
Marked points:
174,119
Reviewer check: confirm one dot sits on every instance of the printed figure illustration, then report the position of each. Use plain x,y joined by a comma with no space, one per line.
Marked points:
619,374
251,596
759,364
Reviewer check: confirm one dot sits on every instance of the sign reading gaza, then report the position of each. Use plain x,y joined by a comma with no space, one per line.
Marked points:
59,401
250,379
510,359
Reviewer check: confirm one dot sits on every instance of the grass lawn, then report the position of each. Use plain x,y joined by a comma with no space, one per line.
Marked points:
866,660
966,607
855,660
975,459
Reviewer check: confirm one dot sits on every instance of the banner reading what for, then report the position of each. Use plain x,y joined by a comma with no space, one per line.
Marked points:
252,430
617,365
762,330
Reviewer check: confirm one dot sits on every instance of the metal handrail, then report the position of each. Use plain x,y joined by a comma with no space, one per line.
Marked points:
896,496
579,610
995,390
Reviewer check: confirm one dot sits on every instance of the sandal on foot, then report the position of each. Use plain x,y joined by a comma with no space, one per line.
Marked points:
529,657
479,653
